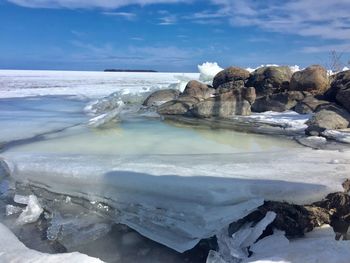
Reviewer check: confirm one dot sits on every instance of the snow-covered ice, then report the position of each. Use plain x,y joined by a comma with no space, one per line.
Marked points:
12,250
208,71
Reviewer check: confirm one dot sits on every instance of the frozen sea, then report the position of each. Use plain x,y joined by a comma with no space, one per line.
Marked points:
168,182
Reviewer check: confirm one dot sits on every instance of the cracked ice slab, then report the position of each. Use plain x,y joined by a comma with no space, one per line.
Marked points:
179,199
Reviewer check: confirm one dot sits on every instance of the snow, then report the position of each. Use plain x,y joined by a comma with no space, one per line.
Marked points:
337,135
208,71
12,250
179,199
81,84
32,212
318,246
288,120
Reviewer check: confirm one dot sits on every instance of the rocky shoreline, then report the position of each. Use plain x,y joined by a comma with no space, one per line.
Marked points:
236,94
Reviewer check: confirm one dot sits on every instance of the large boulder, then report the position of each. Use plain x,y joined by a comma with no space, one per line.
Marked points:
161,96
235,102
309,104
329,117
340,89
198,90
270,80
278,102
179,106
313,79
230,74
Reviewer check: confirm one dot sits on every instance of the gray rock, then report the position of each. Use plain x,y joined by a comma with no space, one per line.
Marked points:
235,102
270,80
277,102
340,89
161,96
313,79
309,104
230,74
326,119
198,90
179,106
229,86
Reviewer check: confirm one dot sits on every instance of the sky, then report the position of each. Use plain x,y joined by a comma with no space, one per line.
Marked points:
171,35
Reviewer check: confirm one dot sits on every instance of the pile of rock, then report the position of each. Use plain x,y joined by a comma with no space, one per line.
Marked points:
235,91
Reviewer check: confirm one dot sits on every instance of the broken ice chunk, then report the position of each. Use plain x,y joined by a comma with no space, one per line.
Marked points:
31,213
214,257
21,199
11,209
105,118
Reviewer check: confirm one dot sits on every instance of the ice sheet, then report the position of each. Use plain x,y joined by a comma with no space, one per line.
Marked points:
179,199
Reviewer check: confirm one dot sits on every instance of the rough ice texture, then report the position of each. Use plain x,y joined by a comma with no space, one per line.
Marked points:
83,84
12,250
32,212
208,71
318,246
177,199
337,135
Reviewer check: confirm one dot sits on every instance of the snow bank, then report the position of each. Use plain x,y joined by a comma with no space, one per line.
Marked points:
12,250
177,200
208,71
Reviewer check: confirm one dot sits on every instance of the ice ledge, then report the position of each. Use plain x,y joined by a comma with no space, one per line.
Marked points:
177,199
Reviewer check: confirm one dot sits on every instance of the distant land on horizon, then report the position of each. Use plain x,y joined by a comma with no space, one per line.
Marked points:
129,70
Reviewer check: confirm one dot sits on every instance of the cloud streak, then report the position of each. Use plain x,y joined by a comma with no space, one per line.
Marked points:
103,4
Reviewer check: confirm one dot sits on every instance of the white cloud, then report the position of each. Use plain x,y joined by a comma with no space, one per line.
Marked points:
126,15
168,20
310,18
104,4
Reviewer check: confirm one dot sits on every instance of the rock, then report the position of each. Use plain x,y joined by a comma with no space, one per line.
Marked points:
340,89
270,80
230,74
339,205
161,96
295,220
309,104
313,79
277,102
229,86
234,102
179,106
326,119
198,90
217,108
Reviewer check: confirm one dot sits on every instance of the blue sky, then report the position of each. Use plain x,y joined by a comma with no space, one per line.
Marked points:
170,35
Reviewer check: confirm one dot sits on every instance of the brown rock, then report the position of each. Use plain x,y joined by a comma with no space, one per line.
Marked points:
230,74
198,90
179,106
270,80
277,102
313,79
